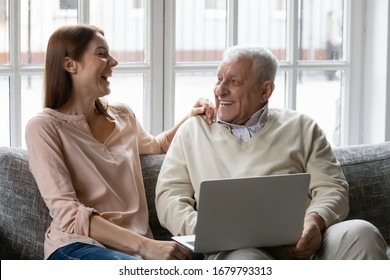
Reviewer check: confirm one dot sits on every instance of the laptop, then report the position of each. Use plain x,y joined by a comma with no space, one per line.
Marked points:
249,212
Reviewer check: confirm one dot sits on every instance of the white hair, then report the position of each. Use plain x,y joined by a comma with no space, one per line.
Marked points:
264,62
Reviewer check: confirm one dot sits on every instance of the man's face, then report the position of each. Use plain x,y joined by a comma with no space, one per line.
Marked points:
237,93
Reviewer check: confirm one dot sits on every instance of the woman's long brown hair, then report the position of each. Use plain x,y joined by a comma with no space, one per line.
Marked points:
67,41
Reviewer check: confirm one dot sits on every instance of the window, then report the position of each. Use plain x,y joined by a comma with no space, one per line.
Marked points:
124,25
168,53
138,4
3,11
307,37
68,4
4,33
215,4
21,76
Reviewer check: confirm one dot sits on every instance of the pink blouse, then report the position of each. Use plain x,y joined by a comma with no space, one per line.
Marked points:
77,175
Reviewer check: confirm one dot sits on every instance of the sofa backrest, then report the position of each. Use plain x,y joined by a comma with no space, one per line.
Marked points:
24,217
151,165
367,170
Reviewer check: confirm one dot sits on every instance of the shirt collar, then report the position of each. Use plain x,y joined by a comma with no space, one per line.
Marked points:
255,123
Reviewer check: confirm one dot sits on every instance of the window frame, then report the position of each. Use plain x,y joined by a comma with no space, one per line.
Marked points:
159,67
291,66
152,68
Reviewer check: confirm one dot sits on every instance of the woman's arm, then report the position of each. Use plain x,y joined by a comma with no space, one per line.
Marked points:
202,107
159,144
131,243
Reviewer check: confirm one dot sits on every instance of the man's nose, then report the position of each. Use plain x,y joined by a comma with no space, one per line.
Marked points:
220,89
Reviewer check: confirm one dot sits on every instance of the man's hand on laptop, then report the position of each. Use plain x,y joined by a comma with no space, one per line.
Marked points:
309,242
311,239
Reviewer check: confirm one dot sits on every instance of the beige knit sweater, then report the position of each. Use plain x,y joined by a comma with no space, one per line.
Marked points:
288,143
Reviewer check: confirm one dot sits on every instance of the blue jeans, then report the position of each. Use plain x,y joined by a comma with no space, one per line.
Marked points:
83,251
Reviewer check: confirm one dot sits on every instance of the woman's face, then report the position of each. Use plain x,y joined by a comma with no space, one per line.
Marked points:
94,69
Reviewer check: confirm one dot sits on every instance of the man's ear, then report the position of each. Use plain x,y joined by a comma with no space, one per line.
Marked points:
267,89
70,65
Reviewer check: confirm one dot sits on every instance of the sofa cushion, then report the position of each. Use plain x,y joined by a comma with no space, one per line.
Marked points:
24,217
367,170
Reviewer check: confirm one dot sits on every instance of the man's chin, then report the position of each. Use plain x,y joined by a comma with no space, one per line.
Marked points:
225,119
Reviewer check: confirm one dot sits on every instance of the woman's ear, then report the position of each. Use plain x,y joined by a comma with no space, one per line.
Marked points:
70,65
267,89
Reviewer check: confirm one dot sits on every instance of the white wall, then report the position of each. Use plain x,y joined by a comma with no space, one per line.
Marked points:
376,103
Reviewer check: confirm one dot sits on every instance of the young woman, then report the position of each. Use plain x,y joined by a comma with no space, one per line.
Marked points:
84,155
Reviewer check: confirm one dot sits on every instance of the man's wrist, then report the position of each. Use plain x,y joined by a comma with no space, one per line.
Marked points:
317,219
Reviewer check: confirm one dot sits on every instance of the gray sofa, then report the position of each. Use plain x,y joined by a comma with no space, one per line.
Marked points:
24,217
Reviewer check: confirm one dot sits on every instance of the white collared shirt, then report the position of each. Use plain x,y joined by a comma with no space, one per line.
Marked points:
255,123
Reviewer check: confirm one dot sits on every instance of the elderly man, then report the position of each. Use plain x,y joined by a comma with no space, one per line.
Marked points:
252,139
